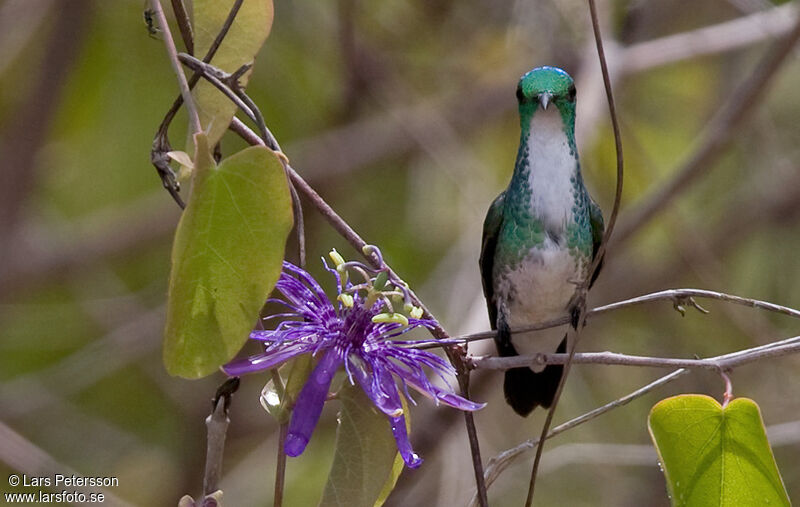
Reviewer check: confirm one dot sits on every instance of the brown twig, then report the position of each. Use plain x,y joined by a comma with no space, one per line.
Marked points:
172,52
184,25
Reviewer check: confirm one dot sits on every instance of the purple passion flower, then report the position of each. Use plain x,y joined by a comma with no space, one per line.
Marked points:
353,334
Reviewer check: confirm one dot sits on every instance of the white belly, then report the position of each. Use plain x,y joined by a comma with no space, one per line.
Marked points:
538,290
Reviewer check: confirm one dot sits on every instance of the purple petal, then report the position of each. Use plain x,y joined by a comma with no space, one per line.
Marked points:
305,276
382,390
411,458
379,389
440,395
264,361
309,403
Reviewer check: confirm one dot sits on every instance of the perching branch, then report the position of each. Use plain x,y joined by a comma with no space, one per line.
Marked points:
680,299
787,347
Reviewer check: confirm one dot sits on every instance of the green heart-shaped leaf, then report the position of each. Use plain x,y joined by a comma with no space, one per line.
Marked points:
713,455
227,256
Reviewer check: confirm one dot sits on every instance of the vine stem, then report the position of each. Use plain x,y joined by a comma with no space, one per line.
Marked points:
280,467
574,335
172,52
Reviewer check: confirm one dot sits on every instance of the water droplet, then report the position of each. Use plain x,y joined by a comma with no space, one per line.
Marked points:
270,400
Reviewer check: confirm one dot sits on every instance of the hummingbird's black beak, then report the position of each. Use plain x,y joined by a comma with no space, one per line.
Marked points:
544,100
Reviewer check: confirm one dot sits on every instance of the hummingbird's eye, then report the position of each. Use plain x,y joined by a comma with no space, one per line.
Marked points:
571,93
520,95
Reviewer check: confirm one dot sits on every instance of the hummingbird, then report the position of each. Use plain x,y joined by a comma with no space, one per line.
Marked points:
540,237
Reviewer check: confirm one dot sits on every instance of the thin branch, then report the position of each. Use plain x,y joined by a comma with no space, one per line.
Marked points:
498,464
679,298
219,78
612,112
683,296
172,52
299,226
717,135
184,25
457,357
614,358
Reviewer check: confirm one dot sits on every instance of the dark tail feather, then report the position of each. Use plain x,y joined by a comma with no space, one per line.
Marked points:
525,390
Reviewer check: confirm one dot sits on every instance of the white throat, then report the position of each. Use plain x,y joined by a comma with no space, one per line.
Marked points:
552,166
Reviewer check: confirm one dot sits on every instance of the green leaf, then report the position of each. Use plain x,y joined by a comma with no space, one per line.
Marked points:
240,46
713,455
226,257
365,457
399,464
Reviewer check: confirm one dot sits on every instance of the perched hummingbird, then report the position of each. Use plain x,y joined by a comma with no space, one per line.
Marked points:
540,237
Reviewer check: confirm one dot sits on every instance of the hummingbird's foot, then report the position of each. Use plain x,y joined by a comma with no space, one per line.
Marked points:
575,317
577,306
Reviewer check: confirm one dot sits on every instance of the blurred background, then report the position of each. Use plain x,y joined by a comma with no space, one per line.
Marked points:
402,115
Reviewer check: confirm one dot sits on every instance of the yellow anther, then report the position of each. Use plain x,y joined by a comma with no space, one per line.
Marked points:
398,318
336,257
346,299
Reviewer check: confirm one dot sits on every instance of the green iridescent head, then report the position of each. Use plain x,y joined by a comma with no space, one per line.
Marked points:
543,86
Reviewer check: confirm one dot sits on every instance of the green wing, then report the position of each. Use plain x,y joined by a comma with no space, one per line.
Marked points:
491,229
598,228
